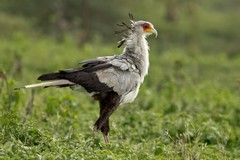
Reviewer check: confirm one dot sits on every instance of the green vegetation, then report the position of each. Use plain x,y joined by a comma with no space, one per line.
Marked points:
187,108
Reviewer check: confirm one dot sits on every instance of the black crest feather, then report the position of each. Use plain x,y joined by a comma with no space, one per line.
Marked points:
124,28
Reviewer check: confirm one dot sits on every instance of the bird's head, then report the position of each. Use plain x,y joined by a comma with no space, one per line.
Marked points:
139,28
143,28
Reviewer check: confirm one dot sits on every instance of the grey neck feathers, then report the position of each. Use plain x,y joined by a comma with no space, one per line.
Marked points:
137,50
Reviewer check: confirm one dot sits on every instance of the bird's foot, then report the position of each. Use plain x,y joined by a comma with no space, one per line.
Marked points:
95,129
106,138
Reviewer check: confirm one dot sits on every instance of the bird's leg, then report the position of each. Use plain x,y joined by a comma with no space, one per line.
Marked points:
107,106
105,128
105,131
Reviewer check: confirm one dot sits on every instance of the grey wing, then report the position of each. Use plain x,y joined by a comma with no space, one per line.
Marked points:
122,75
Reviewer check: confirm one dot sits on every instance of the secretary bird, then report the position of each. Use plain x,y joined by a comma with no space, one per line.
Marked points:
111,80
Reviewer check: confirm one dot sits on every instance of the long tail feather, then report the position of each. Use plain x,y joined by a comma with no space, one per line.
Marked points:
59,83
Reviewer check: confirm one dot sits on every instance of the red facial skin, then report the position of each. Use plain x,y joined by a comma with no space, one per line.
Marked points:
146,27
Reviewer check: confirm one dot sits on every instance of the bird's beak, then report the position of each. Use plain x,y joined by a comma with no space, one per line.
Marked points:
154,31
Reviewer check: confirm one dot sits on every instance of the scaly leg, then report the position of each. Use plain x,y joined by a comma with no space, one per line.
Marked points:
105,131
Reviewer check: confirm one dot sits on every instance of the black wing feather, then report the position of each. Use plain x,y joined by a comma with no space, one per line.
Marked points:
85,76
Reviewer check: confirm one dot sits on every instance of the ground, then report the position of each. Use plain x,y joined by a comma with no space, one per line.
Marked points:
187,108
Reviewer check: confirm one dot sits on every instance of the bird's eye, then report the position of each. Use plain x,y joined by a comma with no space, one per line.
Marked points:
145,26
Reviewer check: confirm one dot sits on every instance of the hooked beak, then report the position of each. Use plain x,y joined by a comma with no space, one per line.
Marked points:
154,31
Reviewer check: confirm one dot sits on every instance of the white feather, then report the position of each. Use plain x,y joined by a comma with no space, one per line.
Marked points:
49,84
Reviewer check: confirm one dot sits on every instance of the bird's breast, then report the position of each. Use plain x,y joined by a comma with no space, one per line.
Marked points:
130,96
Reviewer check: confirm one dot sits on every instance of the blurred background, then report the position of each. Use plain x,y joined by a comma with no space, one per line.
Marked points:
198,26
188,106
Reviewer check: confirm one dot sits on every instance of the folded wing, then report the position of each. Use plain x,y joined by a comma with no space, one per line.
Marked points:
104,74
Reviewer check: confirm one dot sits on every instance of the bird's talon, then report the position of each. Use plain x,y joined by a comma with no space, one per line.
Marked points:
106,139
95,129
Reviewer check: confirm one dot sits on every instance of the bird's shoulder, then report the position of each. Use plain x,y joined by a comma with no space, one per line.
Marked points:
119,61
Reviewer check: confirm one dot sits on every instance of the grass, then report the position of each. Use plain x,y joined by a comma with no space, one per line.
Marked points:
188,107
